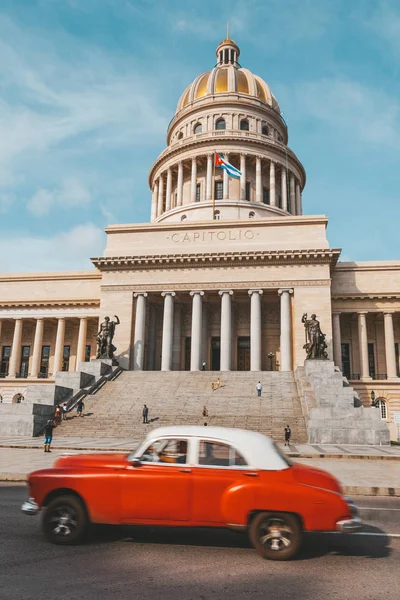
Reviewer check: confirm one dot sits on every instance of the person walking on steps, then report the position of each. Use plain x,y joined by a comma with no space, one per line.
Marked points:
259,388
79,408
48,435
218,383
145,414
288,433
203,365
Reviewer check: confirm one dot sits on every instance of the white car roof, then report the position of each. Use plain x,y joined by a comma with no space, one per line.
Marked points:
258,449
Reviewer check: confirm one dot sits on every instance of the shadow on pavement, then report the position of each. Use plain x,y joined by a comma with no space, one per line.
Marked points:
314,544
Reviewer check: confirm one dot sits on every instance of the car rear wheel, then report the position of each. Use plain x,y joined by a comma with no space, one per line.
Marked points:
65,521
276,536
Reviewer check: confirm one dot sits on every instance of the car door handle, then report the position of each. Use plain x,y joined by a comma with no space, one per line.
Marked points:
250,474
185,470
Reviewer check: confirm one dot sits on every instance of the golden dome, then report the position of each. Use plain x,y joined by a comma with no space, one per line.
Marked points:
228,77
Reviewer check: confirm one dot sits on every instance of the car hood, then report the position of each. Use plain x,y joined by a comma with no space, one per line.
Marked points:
93,461
316,478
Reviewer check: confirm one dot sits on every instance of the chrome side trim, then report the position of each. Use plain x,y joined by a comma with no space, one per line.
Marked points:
30,507
349,525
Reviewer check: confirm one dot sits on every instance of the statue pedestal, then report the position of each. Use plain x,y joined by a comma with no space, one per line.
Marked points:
328,406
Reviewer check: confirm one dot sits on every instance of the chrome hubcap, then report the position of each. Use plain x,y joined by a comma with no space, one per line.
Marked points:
63,521
275,534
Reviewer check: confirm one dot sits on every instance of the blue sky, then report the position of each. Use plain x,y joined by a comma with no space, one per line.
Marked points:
88,87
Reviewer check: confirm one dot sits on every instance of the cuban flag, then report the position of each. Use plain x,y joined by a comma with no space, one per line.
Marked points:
221,163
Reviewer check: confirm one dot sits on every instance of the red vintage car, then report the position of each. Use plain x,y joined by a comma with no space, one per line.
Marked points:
193,477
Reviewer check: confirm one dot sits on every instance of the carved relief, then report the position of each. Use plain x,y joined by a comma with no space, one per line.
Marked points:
272,316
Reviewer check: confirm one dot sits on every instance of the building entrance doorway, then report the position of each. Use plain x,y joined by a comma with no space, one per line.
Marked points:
215,354
243,351
188,352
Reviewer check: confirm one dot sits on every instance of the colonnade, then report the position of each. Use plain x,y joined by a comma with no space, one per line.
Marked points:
390,352
168,187
36,356
226,336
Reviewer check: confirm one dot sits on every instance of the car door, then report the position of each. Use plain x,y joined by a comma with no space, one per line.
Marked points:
159,487
218,467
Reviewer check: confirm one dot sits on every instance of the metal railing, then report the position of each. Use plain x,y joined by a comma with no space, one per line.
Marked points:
93,389
379,376
354,376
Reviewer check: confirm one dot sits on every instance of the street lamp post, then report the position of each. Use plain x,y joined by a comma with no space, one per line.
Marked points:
271,357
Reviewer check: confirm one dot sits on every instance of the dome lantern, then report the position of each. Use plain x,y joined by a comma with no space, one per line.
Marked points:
228,53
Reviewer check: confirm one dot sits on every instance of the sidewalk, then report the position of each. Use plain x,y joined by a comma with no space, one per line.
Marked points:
365,471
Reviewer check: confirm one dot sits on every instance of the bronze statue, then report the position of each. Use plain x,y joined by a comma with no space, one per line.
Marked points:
105,347
315,345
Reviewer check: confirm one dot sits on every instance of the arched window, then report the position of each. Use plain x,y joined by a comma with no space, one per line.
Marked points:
264,130
280,138
217,215
220,124
381,404
252,215
183,217
198,128
180,135
244,125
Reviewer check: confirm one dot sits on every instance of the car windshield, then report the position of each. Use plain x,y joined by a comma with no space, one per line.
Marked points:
283,455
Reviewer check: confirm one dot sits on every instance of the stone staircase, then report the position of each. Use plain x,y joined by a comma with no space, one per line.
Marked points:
178,397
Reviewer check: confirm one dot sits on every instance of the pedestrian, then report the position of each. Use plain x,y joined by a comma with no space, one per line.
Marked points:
259,388
64,411
212,386
203,365
205,424
57,415
218,383
80,407
288,433
145,414
205,411
48,435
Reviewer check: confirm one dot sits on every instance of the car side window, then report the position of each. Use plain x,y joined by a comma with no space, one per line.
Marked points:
166,451
220,455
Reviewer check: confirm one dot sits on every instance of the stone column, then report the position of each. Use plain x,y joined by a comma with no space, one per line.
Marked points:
194,180
179,190
242,195
167,334
197,314
81,347
298,198
225,190
151,343
292,196
259,187
272,191
37,349
226,329
255,329
15,357
284,189
59,349
177,339
160,196
140,328
337,340
168,203
209,182
391,370
363,345
286,329
154,201
204,335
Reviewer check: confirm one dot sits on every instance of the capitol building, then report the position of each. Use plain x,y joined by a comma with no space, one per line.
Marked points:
223,271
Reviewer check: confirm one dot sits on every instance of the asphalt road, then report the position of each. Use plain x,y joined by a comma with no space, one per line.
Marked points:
137,563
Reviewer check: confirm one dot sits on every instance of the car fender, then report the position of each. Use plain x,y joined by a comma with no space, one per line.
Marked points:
236,502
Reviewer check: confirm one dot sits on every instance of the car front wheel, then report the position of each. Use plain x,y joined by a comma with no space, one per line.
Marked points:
65,521
276,536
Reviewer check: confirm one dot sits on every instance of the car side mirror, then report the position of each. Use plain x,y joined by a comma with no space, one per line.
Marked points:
135,462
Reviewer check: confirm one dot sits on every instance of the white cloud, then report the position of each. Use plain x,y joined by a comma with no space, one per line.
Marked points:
353,110
68,250
71,194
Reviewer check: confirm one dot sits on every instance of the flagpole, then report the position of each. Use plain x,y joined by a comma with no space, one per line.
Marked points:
213,189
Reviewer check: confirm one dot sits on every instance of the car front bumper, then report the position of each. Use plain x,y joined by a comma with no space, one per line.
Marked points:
349,525
30,507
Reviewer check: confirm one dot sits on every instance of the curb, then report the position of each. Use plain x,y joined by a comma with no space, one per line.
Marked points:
343,456
348,490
